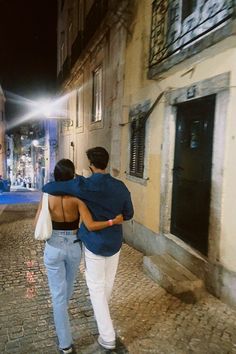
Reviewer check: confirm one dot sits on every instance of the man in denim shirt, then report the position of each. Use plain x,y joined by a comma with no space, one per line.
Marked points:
105,197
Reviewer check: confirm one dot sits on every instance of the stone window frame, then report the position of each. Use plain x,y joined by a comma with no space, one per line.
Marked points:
218,86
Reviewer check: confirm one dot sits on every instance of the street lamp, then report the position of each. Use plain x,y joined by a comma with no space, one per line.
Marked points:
35,143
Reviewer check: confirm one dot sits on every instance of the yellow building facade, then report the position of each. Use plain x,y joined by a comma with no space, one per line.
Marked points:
180,58
154,83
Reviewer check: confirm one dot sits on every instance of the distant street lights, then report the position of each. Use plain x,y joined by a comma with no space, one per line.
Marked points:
35,143
51,111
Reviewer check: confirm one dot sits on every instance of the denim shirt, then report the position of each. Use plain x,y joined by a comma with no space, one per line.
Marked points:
106,197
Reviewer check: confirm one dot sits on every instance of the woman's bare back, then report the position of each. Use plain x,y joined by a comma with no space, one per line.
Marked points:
63,208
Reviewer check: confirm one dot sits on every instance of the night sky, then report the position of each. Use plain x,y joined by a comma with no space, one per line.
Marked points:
27,49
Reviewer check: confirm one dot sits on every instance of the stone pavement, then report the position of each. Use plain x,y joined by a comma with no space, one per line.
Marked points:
147,319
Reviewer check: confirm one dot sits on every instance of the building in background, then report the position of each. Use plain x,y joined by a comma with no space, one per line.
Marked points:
9,153
26,155
91,52
3,162
50,148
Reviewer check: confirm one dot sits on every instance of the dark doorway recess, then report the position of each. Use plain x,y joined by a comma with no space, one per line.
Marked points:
192,172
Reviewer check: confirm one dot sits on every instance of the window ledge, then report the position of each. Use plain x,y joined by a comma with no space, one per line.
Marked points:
142,181
79,129
96,125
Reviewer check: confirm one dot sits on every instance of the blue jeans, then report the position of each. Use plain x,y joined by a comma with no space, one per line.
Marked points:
62,258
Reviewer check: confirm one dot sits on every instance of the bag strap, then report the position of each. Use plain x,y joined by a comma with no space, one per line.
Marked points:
45,201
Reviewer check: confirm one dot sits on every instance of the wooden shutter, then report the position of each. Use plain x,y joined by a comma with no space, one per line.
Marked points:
137,147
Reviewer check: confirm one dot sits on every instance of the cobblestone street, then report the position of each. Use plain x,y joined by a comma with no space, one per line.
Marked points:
147,319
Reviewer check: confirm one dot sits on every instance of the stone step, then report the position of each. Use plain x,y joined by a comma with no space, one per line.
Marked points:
174,278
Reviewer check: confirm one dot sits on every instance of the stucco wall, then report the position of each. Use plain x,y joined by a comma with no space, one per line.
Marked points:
109,53
146,193
228,240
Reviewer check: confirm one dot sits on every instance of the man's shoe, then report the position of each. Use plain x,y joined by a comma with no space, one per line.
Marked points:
106,345
69,350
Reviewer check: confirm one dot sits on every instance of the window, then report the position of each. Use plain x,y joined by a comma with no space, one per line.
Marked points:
137,146
188,6
62,53
62,4
70,28
62,49
70,39
97,95
79,108
80,16
177,24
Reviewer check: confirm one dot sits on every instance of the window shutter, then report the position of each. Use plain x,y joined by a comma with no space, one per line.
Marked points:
137,147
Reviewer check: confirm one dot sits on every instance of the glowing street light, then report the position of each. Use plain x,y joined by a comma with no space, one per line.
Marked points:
55,109
45,108
35,143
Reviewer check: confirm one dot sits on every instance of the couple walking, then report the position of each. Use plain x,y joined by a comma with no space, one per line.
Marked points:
102,203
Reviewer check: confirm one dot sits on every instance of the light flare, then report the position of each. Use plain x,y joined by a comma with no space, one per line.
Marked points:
42,109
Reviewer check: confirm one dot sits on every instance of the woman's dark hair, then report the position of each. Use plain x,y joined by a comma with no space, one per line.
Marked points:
98,156
64,170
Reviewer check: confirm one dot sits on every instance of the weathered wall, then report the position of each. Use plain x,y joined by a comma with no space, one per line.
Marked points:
147,193
107,51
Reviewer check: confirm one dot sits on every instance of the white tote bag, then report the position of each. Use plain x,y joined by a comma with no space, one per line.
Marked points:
43,229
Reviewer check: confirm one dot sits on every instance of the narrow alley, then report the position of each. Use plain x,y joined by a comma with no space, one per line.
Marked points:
147,319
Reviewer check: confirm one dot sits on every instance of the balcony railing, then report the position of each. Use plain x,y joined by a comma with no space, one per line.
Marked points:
171,32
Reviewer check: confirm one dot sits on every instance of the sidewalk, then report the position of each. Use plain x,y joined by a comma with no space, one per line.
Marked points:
147,319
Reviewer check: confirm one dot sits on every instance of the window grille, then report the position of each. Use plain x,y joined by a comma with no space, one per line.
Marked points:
188,6
177,24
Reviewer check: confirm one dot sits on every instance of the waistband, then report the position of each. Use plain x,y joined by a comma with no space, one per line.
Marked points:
64,232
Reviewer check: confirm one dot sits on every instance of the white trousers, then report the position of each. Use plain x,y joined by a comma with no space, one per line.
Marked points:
100,275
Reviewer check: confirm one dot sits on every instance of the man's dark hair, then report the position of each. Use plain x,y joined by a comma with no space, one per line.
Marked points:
64,170
98,156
